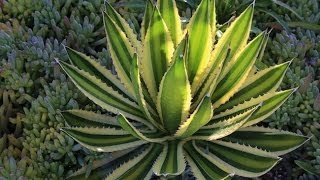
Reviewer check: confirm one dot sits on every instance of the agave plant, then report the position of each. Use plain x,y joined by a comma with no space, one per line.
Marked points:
181,96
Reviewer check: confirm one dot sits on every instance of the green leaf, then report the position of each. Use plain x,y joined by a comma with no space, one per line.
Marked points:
200,117
102,94
270,102
81,118
138,88
260,83
170,15
174,97
274,141
307,166
239,159
235,73
268,107
219,128
124,26
121,51
277,18
171,160
127,126
102,167
202,167
158,49
103,139
197,58
139,167
89,65
146,19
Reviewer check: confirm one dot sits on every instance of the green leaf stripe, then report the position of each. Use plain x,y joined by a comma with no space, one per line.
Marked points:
260,83
140,167
100,93
201,167
103,139
272,140
171,161
89,65
236,73
81,118
241,160
174,98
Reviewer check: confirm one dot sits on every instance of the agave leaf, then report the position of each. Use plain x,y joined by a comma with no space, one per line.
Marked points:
81,118
235,158
233,39
121,51
174,97
103,139
202,167
135,78
127,126
269,106
124,26
102,94
197,58
102,167
146,19
158,49
234,75
200,117
262,82
139,167
222,127
89,65
274,141
270,102
170,15
171,160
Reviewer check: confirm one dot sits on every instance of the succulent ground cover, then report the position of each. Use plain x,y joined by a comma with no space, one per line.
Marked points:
31,83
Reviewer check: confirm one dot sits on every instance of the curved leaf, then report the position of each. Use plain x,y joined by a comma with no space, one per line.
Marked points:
89,65
82,118
200,117
157,53
103,139
234,75
171,161
139,167
174,97
239,159
170,15
202,167
274,141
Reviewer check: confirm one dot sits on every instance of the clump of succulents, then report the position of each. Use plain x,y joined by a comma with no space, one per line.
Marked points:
183,96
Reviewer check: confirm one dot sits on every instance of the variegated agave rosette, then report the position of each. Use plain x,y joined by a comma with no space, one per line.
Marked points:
182,96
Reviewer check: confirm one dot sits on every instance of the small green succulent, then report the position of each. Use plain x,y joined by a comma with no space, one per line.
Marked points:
182,96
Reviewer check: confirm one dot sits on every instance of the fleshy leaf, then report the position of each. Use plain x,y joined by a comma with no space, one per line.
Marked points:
274,141
174,97
158,49
103,139
239,159
171,160
170,15
235,73
89,65
140,167
200,117
202,167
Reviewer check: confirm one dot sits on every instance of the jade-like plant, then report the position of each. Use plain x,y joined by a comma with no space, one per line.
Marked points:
181,96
